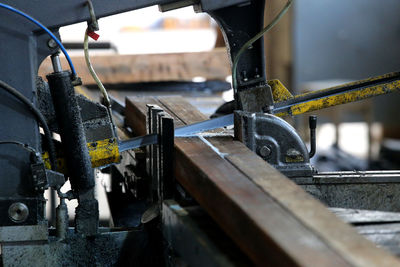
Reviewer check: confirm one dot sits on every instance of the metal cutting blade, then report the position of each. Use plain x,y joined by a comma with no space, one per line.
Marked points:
184,131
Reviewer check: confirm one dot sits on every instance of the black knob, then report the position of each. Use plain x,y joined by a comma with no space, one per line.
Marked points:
313,121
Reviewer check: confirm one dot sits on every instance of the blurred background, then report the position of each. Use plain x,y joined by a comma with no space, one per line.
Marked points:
318,44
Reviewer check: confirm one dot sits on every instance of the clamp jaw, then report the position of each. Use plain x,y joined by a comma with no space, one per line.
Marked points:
276,141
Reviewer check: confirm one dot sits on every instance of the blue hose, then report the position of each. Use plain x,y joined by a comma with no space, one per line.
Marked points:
46,30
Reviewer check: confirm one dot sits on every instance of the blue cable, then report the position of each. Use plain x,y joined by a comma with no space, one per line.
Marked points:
46,30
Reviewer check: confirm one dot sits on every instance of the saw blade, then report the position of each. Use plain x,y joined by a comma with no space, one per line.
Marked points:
204,126
184,131
137,142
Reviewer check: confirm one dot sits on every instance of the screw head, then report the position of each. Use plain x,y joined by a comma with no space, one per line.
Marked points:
18,212
265,151
51,43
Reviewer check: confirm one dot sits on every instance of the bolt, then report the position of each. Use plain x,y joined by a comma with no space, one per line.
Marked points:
51,43
265,151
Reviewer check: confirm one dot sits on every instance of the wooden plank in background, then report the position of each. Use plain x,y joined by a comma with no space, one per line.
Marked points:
180,108
272,219
115,69
137,111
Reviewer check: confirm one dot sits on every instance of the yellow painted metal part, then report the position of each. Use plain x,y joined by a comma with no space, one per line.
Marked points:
354,84
61,164
340,98
80,90
279,91
102,153
344,98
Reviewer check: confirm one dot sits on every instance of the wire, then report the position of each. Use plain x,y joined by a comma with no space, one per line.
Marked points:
24,146
103,90
92,72
39,116
254,39
10,8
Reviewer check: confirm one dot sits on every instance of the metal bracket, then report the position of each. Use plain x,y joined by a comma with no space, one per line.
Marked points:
152,150
161,156
166,155
275,140
256,99
251,68
43,178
